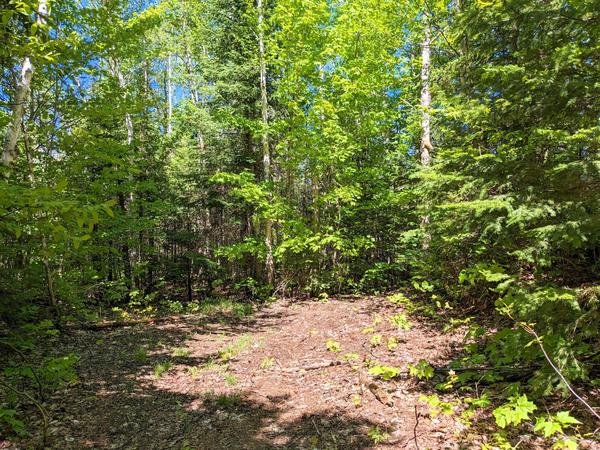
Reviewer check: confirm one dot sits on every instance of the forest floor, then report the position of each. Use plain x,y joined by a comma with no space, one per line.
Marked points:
263,381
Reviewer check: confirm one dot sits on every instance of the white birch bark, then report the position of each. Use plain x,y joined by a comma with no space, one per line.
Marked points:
426,146
22,93
169,94
269,265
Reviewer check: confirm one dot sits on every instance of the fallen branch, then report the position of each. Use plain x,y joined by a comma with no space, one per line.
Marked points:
315,366
531,331
417,417
381,395
38,405
121,323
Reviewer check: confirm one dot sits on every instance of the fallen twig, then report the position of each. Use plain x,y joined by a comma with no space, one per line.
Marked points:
531,331
314,366
121,323
417,417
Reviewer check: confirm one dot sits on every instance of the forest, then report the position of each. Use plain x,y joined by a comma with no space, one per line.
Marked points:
300,224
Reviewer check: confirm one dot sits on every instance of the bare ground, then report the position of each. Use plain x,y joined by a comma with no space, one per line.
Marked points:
264,382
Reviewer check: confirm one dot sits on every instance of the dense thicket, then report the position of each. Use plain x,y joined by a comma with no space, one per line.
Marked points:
169,151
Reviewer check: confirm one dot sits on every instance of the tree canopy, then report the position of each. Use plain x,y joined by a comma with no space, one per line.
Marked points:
158,154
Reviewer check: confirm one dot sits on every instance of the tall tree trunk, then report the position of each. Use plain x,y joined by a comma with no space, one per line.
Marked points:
269,265
23,89
426,146
169,93
125,250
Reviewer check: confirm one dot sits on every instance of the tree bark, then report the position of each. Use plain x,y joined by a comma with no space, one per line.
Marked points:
269,265
23,90
169,94
426,146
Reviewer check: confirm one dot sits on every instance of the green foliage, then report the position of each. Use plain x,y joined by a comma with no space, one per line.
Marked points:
378,435
514,411
238,346
180,352
333,346
384,372
554,423
437,406
140,354
267,362
375,340
401,321
161,368
8,417
422,370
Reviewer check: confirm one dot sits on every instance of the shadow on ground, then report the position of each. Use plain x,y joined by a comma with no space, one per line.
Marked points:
120,403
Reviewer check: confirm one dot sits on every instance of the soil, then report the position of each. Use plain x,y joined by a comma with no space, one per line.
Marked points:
267,381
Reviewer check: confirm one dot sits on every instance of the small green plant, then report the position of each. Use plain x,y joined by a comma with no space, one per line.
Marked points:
140,354
513,412
230,379
180,352
450,382
423,286
333,346
375,340
368,330
552,425
211,364
423,370
194,371
267,362
227,401
473,403
378,435
323,297
351,357
9,417
398,299
392,343
235,348
377,320
437,406
401,321
161,368
384,372
454,323
357,401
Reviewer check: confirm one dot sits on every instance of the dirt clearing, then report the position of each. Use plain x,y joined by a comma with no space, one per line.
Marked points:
292,376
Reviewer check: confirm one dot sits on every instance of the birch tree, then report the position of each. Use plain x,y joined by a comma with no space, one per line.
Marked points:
22,94
266,153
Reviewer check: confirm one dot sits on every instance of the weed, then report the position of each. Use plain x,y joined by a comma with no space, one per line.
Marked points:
351,357
230,379
423,370
333,346
180,352
385,372
392,343
235,348
267,362
193,371
375,340
161,368
140,354
401,321
377,435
